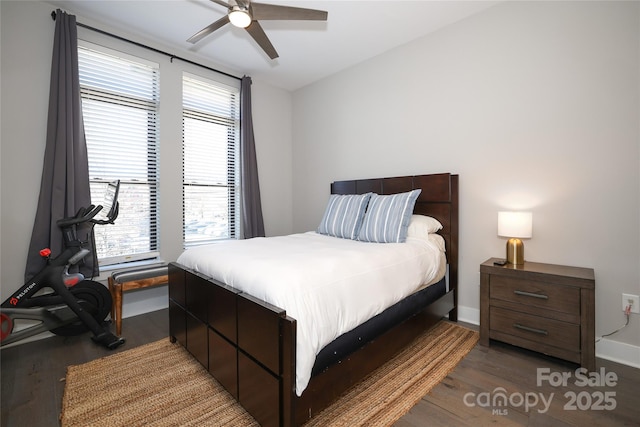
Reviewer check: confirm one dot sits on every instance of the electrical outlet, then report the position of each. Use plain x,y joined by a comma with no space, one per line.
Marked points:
633,301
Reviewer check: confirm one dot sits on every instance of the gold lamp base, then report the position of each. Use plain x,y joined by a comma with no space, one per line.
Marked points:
515,251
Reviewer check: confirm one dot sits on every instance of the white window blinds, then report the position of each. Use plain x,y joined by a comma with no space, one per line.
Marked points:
211,133
120,110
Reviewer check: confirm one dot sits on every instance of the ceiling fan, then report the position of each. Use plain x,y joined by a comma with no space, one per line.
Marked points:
245,14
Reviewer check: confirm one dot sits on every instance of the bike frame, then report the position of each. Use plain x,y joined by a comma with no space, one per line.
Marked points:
52,310
50,276
60,307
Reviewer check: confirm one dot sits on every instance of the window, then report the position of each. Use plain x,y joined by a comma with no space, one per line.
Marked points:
120,110
211,131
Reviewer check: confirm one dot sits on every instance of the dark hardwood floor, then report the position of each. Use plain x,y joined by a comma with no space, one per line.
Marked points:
33,383
33,373
470,394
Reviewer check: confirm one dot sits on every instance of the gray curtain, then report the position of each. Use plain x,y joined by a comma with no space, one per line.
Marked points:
65,176
252,222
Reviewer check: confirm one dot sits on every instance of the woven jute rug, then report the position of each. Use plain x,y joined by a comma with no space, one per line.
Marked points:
160,384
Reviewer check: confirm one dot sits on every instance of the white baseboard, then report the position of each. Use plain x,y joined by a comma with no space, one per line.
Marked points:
615,351
619,352
468,315
143,301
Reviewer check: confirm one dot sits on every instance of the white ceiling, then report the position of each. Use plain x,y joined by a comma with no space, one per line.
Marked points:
309,50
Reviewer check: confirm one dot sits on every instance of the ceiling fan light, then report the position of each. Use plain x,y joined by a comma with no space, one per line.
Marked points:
239,17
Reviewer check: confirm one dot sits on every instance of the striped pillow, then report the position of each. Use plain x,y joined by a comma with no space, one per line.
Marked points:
343,216
388,217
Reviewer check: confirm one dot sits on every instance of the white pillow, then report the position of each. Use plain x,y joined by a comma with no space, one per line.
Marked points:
421,226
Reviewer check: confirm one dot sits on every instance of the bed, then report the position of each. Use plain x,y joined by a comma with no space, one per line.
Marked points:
251,345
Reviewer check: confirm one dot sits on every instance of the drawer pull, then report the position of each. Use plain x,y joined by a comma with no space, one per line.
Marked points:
530,294
534,330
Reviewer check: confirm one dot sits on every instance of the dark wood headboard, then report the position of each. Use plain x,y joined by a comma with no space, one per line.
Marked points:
439,199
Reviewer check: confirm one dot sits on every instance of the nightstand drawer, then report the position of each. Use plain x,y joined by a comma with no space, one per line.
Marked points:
547,308
533,328
537,294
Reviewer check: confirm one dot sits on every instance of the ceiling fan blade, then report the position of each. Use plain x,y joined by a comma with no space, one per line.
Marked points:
261,38
263,11
208,29
222,3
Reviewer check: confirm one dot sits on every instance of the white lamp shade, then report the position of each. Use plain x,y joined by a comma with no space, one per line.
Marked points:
515,224
239,17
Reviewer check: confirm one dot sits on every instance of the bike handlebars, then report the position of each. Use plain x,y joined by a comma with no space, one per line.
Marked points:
111,216
83,215
88,213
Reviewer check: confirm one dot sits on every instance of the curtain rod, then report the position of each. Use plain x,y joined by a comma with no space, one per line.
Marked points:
53,16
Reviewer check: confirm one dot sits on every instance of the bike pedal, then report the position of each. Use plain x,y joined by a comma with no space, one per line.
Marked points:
117,343
108,340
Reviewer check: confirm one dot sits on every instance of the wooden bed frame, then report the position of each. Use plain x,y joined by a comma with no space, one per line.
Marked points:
249,345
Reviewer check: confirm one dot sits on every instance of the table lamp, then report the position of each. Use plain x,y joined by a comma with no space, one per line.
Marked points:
515,226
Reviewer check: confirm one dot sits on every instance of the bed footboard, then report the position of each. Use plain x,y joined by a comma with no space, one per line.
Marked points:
247,344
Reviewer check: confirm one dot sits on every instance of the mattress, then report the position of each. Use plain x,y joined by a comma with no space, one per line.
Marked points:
329,285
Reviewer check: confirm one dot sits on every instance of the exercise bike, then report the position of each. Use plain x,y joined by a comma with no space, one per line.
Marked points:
75,305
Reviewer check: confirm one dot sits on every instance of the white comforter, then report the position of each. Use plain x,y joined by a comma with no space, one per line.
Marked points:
329,285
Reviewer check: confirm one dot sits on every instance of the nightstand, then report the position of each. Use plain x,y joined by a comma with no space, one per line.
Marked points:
542,307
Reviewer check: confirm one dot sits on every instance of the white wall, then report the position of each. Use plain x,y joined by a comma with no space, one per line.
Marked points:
27,40
534,104
272,122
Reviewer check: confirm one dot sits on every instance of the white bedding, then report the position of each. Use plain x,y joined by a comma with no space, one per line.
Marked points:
329,285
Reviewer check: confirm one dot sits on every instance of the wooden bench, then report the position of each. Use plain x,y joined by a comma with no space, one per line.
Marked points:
123,281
